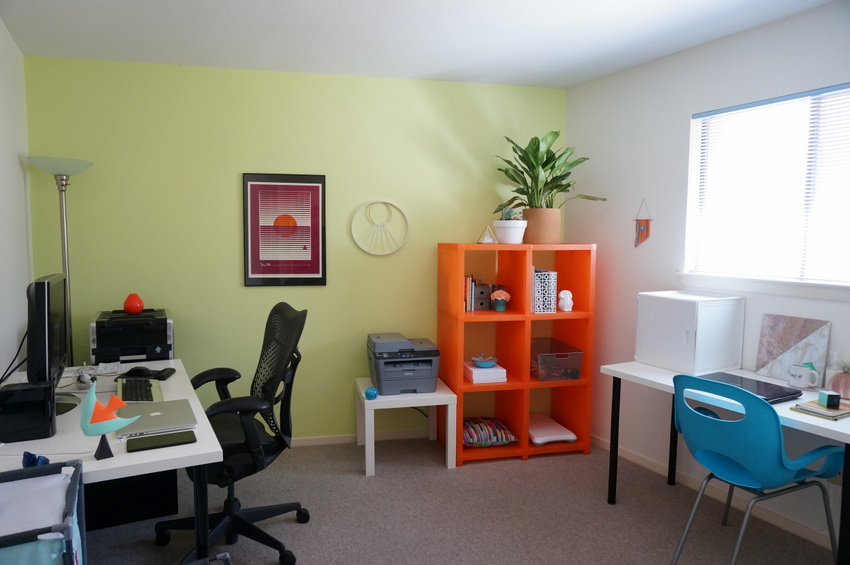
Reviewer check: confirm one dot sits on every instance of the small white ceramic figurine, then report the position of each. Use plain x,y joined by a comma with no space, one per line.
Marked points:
565,301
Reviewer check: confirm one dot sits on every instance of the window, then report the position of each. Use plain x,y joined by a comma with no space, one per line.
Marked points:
769,189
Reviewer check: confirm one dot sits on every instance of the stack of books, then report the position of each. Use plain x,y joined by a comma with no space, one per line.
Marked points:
478,375
812,408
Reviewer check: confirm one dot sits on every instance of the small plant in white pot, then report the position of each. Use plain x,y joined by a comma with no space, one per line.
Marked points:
510,227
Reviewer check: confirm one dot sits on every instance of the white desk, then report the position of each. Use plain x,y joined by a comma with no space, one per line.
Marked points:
366,417
70,443
662,379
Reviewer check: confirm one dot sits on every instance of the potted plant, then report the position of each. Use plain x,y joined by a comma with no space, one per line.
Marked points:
840,381
541,174
510,227
500,300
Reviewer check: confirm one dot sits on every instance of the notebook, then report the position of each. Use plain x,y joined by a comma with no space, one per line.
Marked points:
157,418
770,392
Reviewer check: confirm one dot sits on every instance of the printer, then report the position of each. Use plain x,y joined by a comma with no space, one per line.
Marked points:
119,336
399,365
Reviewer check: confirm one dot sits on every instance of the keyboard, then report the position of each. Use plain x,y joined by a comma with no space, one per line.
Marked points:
139,390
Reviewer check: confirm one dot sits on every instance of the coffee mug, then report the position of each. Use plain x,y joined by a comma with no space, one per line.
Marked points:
803,377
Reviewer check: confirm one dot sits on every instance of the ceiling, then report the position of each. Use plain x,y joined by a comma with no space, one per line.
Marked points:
549,43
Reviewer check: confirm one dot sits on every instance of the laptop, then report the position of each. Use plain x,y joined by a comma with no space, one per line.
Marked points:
157,418
772,393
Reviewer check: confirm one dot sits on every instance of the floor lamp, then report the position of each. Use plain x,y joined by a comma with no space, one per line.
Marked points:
61,169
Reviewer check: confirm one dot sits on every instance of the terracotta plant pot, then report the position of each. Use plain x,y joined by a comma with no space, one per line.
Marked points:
544,225
840,383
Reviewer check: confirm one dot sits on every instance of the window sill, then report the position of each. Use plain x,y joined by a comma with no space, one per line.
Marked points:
795,289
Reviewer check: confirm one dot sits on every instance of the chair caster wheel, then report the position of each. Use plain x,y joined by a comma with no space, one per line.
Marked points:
287,558
162,538
302,516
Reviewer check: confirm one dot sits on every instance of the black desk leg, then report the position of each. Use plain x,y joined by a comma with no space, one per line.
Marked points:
202,518
844,518
674,446
614,444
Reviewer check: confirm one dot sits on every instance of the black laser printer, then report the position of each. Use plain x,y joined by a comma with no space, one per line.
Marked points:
399,365
119,336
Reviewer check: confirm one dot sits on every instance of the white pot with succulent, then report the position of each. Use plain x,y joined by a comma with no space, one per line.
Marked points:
510,227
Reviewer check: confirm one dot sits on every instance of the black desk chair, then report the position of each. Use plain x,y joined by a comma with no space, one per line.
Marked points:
247,445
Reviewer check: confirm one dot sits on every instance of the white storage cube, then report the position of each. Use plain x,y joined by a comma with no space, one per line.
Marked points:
689,332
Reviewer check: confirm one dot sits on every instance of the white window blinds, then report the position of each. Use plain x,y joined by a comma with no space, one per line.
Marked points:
769,189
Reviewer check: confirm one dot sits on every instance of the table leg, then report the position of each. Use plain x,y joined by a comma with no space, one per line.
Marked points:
614,444
202,517
673,450
844,518
360,407
451,436
369,440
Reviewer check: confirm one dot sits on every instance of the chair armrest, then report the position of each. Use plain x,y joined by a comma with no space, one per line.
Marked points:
246,408
831,466
250,405
221,376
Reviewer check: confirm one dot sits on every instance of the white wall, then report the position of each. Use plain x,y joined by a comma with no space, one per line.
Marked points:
634,126
15,268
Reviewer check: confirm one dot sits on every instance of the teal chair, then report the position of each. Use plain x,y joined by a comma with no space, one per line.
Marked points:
747,451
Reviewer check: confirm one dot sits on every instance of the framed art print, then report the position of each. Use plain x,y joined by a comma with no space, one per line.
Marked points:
284,229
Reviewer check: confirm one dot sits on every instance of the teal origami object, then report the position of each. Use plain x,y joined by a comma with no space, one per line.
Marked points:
97,419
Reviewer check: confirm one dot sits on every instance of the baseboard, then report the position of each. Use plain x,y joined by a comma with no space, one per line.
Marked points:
379,436
715,491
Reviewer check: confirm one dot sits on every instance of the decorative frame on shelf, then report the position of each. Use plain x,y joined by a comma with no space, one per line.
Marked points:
284,224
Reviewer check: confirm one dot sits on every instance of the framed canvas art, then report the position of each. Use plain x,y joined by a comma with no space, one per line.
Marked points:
284,217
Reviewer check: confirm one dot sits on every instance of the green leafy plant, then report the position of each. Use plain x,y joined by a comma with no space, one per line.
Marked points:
507,213
541,173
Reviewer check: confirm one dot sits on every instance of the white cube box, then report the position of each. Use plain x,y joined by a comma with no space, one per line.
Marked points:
689,332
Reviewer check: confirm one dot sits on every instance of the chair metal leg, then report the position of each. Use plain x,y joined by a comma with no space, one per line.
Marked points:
728,504
750,506
829,522
691,518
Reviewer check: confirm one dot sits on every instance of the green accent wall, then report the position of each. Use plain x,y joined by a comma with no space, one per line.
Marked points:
160,212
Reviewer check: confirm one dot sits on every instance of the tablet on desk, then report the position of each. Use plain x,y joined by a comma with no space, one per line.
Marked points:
770,392
160,440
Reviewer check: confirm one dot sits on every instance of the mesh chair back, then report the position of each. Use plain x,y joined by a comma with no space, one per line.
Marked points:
275,373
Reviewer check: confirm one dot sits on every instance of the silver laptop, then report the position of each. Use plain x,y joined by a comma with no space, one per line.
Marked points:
157,418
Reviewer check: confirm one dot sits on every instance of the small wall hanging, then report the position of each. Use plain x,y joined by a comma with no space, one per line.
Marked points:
642,225
379,227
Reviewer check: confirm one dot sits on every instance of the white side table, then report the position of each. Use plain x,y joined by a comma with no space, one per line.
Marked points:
366,416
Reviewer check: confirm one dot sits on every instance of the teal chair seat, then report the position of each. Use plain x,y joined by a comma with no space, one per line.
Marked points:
747,451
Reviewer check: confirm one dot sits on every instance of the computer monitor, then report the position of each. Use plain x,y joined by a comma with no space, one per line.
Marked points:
47,340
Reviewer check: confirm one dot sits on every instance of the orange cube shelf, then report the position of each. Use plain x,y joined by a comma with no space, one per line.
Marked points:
462,334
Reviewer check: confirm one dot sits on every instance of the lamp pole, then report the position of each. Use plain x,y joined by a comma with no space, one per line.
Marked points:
62,169
62,184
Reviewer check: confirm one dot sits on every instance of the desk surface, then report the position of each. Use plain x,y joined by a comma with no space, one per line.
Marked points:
662,379
69,442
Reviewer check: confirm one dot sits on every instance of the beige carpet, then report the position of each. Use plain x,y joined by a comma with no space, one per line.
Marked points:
546,510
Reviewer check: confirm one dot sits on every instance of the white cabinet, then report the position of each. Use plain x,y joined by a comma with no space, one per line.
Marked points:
689,332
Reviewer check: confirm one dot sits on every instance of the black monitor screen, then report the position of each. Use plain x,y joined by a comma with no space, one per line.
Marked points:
47,343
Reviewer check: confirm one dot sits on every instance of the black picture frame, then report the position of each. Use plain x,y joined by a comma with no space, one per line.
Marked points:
284,229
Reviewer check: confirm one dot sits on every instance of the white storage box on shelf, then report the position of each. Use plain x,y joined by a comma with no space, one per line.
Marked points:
689,332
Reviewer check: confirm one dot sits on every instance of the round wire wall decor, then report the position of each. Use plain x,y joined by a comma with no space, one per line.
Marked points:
379,227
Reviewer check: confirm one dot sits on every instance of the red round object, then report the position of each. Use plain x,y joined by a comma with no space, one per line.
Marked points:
133,304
